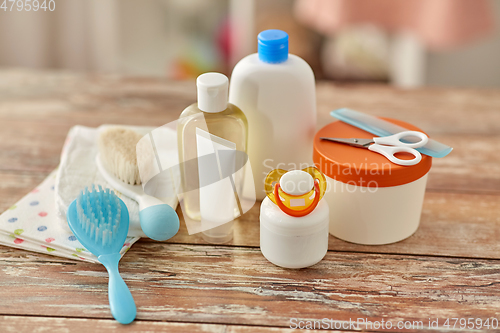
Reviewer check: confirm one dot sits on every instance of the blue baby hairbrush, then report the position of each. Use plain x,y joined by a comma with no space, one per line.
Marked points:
99,220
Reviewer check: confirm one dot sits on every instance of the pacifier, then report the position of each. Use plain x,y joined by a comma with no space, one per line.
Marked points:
295,192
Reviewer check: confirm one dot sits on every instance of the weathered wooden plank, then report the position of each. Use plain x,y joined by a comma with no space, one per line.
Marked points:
452,224
473,166
31,147
31,137
69,98
234,285
15,185
61,94
38,108
460,225
436,110
25,324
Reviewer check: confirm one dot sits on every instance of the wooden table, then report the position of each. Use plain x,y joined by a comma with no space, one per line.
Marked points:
449,268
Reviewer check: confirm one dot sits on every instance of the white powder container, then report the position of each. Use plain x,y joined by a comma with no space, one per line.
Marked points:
371,200
294,242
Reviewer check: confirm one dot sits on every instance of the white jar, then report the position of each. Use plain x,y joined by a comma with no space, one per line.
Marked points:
372,201
293,242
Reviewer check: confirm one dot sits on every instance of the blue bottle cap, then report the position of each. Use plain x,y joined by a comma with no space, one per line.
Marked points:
273,46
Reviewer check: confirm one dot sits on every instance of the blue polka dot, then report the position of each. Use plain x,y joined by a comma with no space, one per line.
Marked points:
52,187
33,203
42,228
72,238
12,220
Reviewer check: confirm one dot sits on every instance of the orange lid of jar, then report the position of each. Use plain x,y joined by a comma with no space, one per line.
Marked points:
359,166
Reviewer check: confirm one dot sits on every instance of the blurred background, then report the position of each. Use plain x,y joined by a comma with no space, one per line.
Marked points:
407,43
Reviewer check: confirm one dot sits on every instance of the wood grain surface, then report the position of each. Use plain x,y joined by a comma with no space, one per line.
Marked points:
236,285
449,268
27,324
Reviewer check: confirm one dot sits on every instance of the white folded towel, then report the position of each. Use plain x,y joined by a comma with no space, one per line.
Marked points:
78,170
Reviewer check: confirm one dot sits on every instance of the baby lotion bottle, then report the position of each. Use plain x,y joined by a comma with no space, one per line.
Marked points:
277,92
211,133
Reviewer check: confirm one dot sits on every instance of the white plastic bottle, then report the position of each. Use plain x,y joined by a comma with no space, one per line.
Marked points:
276,90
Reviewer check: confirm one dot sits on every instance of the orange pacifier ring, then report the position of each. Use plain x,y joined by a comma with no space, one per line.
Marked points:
300,204
298,213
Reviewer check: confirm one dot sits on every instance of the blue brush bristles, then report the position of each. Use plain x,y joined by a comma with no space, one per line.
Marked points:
100,221
99,214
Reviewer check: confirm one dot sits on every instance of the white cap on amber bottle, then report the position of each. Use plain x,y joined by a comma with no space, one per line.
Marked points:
212,92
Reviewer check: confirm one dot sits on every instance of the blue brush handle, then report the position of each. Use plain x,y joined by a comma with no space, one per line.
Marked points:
121,301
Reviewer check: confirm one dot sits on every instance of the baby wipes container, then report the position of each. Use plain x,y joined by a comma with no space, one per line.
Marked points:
371,200
293,218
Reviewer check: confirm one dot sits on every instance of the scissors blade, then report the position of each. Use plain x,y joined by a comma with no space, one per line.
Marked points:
360,143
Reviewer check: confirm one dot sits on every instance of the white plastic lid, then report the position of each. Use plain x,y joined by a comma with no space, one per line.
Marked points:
212,92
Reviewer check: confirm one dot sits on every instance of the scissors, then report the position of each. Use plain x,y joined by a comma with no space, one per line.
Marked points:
390,145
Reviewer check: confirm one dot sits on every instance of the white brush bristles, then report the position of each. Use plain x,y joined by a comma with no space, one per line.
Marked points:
118,154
